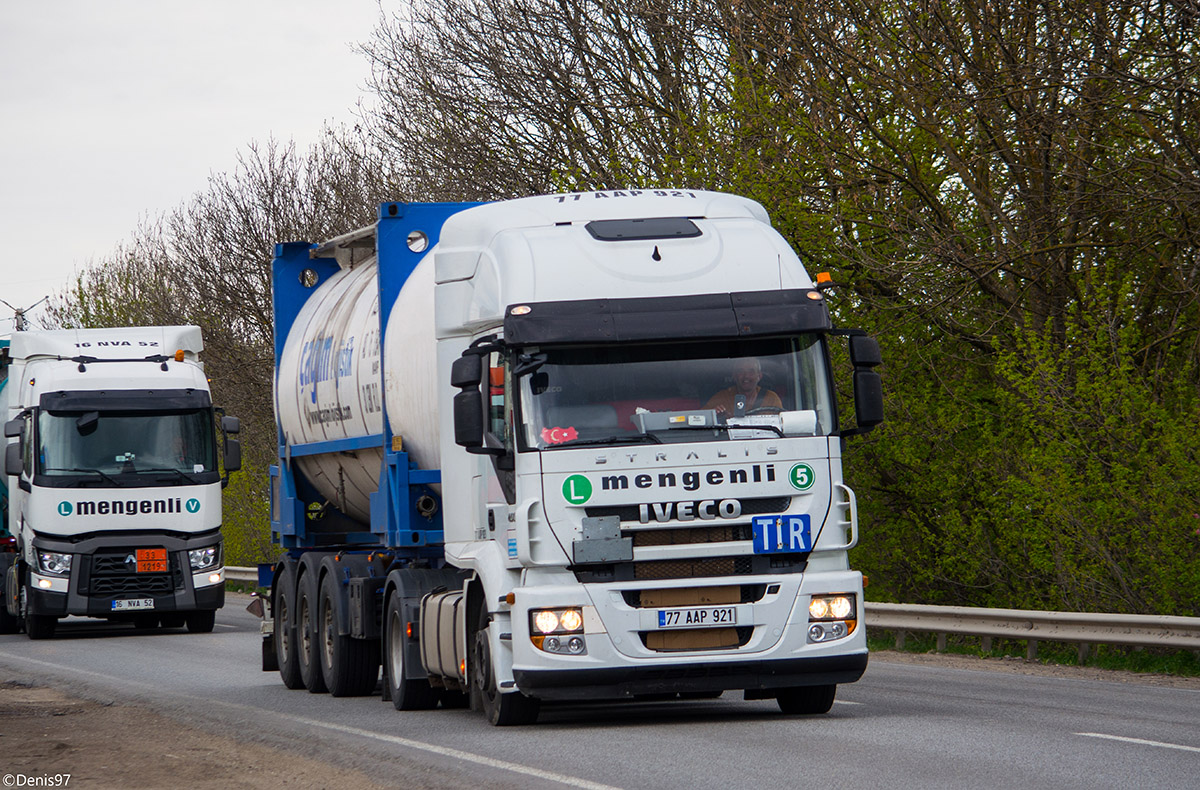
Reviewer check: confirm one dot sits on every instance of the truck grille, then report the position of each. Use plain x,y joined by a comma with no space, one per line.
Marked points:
696,639
686,536
112,574
695,596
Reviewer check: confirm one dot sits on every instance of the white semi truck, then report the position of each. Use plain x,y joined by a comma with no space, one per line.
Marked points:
114,489
569,447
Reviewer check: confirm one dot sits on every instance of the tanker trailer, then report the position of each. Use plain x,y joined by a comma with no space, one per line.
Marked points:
568,447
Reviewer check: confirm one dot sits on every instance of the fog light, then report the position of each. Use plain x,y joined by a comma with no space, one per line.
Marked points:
816,632
45,584
575,645
552,644
213,578
838,630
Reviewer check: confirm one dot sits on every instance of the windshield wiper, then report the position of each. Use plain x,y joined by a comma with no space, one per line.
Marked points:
637,438
81,469
723,427
178,472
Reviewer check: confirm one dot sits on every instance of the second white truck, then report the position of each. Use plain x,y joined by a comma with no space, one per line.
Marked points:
113,481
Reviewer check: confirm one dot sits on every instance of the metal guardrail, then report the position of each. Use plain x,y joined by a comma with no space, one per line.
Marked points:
1080,628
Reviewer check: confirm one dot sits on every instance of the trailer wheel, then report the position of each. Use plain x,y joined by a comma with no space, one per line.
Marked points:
502,710
406,693
284,611
201,622
308,653
807,699
350,666
40,626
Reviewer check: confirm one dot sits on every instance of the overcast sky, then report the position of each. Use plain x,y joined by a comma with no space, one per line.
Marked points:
116,110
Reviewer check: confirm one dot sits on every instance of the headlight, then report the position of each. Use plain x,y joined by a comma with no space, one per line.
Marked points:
54,563
831,607
203,559
831,617
556,621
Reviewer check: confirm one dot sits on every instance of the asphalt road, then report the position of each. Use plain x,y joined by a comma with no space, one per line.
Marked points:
901,725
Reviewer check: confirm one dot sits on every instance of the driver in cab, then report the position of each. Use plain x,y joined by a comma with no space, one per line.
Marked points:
745,396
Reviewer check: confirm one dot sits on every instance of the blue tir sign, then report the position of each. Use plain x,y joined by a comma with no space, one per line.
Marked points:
781,534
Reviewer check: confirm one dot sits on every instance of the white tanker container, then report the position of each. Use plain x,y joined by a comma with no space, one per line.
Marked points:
330,375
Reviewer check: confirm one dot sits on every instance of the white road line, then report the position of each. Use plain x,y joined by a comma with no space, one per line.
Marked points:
1141,741
846,702
444,751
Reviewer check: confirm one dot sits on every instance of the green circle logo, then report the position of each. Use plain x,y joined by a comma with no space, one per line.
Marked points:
577,489
193,506
65,509
802,477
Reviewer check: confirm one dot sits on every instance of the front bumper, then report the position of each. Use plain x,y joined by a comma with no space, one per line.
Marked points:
618,682
90,592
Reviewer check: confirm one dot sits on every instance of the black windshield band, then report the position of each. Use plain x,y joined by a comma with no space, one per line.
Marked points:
707,316
125,400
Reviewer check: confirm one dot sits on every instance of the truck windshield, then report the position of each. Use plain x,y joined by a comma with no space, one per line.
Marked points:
160,448
686,392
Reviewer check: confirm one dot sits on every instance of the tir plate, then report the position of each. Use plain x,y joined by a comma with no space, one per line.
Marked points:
697,617
132,604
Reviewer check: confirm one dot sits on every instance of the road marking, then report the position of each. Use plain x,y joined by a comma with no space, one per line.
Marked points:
846,702
1141,741
444,751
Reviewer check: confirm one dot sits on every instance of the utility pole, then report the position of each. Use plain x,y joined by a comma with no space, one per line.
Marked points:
19,313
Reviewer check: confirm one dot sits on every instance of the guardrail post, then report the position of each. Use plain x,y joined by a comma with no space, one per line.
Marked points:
900,640
1031,650
941,642
1083,652
986,644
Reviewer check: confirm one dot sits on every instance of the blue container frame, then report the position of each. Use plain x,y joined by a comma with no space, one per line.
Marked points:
395,522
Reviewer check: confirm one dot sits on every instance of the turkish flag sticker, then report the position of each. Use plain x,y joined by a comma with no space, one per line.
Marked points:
559,435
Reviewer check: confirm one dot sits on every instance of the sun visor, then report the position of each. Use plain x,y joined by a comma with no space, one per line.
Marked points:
706,316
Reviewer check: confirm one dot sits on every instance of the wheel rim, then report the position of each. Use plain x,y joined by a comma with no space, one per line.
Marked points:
305,631
284,631
327,632
395,649
483,667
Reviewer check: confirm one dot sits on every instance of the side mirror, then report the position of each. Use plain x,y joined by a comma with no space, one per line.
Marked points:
12,460
467,371
468,418
12,428
864,351
233,455
868,398
231,425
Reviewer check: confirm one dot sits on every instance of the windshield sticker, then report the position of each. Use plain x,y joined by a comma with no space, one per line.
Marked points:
559,435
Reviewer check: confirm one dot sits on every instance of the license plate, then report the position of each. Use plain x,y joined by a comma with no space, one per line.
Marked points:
132,604
781,534
697,617
151,560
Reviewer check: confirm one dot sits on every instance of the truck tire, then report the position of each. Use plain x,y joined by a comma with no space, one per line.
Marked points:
286,643
9,624
350,666
201,621
502,710
40,626
807,699
406,693
308,652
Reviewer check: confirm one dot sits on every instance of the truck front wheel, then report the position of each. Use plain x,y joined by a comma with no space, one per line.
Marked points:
40,626
406,693
350,666
202,621
807,699
502,710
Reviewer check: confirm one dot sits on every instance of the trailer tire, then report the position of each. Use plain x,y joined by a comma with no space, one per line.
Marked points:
406,693
308,655
502,710
286,644
201,621
807,700
40,626
349,665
